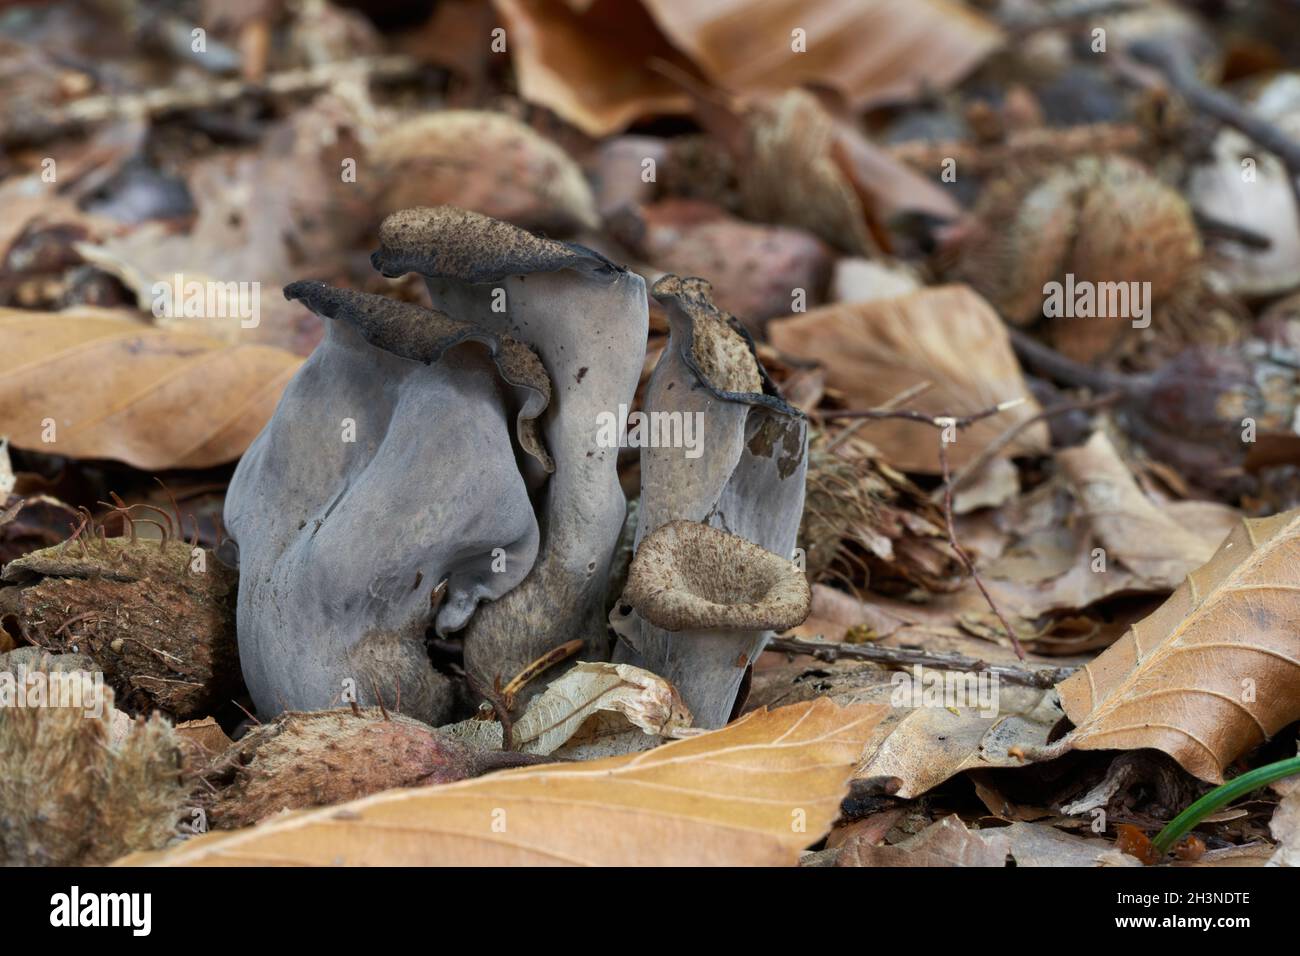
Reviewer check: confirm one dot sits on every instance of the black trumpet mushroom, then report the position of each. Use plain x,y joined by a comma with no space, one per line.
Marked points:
451,470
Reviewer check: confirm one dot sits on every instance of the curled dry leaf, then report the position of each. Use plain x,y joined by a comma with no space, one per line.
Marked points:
724,798
565,58
595,709
947,336
150,397
593,62
487,162
641,701
1214,671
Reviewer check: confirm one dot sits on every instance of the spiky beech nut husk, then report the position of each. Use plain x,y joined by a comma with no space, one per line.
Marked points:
1101,220
865,524
71,791
1026,223
487,162
325,757
157,617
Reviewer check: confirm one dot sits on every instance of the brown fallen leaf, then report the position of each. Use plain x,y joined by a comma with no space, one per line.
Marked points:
1214,671
592,62
755,270
1090,533
921,742
149,397
482,161
1154,543
869,50
566,58
753,793
1039,844
946,842
307,213
947,336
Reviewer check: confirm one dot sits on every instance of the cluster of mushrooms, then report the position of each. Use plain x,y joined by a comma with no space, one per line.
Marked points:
443,469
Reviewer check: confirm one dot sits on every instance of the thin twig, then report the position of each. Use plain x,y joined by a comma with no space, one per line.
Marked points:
906,395
150,104
961,552
831,651
990,451
538,667
925,418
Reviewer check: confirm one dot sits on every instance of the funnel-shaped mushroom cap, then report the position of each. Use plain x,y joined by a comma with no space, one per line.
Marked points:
688,576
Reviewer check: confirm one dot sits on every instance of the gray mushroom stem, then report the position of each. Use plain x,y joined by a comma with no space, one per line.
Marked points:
746,480
587,320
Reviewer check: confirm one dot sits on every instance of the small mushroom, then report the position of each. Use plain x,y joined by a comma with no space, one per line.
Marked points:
691,577
745,476
587,319
391,489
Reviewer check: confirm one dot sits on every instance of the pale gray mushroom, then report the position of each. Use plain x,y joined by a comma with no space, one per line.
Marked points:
748,480
587,319
343,545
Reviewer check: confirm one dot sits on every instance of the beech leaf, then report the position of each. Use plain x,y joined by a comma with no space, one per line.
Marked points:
1214,671
754,793
104,385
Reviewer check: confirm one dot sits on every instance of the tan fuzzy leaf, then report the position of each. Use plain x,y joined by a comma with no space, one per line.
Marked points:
754,793
947,336
1214,671
116,388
